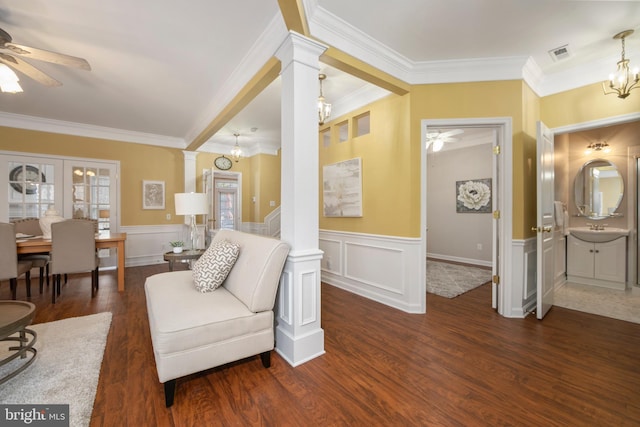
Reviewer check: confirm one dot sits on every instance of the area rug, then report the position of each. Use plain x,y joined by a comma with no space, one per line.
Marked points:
450,280
66,368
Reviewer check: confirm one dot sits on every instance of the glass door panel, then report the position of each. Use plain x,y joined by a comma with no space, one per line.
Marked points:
31,183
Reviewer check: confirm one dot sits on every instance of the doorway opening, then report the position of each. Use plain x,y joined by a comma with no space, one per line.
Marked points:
500,141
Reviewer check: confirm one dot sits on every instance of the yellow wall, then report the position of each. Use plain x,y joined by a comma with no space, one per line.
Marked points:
388,169
525,170
260,178
585,104
390,153
478,100
138,162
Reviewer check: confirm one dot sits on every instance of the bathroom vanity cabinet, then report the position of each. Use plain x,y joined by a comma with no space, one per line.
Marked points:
599,264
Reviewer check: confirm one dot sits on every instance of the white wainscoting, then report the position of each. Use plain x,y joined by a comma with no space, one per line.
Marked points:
523,288
146,244
386,269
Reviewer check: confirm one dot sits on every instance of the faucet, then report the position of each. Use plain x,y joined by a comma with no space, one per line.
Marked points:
596,226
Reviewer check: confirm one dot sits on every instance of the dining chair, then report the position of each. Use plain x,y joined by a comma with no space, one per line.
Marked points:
31,226
10,267
73,250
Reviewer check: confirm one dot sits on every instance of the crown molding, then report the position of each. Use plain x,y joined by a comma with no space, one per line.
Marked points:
338,33
363,96
589,73
468,70
248,151
261,51
90,131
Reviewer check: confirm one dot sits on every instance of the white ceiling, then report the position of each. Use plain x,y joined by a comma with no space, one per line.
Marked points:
162,70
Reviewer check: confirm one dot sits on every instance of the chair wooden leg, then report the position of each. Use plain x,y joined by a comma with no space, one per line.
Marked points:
41,279
266,359
47,275
93,283
53,288
169,392
13,285
27,279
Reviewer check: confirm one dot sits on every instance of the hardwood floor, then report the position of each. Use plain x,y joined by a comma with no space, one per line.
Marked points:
461,364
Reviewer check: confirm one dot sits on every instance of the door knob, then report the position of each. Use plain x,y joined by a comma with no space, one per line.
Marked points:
536,229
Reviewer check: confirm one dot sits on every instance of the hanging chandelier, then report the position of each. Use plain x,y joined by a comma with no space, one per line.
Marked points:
324,109
623,80
236,151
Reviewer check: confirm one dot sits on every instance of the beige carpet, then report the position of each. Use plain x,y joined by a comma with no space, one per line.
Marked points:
66,369
450,280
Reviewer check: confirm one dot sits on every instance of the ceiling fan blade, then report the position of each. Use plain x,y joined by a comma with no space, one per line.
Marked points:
28,70
47,56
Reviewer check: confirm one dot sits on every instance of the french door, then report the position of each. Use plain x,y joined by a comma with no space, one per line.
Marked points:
77,188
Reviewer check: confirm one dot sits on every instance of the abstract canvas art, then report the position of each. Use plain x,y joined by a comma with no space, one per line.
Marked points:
342,189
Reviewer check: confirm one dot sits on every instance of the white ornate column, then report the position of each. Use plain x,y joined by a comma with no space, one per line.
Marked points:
190,176
299,337
190,171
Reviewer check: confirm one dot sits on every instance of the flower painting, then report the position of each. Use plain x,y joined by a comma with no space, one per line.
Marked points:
473,196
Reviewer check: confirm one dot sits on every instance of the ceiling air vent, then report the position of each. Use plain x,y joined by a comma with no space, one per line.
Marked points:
560,53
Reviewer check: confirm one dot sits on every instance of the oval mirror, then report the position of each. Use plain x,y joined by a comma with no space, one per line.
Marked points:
598,189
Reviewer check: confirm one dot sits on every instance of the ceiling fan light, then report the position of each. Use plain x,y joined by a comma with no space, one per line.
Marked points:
437,145
9,80
10,87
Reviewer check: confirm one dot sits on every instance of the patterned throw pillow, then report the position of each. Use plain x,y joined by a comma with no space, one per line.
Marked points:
212,268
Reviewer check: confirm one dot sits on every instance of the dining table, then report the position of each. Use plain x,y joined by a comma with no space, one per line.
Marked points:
104,240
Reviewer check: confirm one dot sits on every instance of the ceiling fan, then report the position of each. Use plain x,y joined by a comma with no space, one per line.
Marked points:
11,53
437,138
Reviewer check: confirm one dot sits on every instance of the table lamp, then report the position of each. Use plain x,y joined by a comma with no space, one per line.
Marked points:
192,204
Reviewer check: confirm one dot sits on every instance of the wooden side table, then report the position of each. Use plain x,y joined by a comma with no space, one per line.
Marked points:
15,316
189,255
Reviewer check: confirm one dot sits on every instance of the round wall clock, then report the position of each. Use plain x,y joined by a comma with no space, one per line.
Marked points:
223,163
29,174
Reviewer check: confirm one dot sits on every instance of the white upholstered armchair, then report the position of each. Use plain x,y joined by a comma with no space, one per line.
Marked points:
192,331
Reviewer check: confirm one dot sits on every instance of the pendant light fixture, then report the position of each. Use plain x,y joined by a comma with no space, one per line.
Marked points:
324,109
598,146
236,151
623,80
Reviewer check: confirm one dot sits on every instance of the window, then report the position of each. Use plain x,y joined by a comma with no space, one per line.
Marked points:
362,124
343,131
325,137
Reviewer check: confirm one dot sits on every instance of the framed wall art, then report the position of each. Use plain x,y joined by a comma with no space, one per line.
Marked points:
342,189
473,196
152,194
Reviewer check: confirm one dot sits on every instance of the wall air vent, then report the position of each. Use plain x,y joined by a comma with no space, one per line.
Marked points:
560,53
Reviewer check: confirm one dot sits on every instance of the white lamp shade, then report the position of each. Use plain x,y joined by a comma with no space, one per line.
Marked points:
191,203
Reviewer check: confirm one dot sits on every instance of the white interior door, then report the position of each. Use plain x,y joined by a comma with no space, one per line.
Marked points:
545,222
